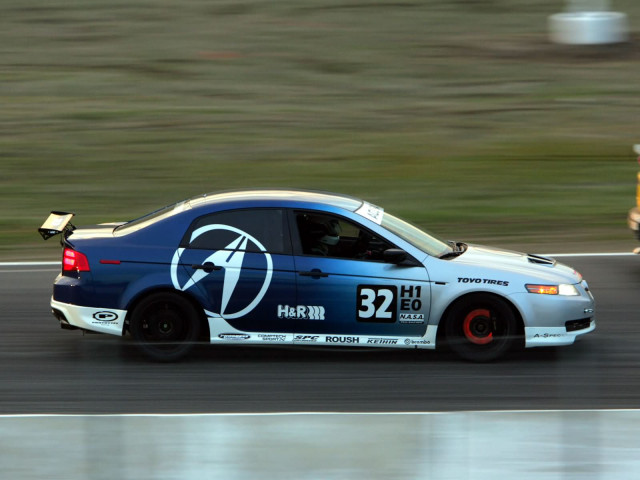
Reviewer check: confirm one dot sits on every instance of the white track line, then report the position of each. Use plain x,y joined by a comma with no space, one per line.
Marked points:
291,414
28,264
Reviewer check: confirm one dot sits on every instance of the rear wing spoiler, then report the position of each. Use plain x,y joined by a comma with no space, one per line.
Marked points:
56,223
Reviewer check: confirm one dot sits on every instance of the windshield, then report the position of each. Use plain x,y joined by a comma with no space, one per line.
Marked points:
153,217
416,237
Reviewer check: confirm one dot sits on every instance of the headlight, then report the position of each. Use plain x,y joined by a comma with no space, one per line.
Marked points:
567,289
562,289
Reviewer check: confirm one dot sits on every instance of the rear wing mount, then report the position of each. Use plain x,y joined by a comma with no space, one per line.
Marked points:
57,222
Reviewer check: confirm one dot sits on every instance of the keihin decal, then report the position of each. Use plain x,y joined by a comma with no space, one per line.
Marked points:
301,312
230,259
382,341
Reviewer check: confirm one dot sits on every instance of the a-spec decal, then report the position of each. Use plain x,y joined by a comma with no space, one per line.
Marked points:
301,312
485,281
377,303
371,212
230,259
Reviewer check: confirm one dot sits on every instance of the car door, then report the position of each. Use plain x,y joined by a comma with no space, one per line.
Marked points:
239,262
344,286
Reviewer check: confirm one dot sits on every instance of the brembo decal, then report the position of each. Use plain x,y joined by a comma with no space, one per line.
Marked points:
230,259
485,281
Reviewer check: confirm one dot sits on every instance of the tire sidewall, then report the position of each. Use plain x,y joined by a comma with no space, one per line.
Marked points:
188,314
467,350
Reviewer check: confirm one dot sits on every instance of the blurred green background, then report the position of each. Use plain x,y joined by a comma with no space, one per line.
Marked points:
459,115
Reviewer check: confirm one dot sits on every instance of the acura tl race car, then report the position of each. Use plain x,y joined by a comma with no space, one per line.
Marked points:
312,268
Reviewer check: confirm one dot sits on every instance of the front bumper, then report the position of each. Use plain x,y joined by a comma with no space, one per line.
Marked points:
633,220
554,336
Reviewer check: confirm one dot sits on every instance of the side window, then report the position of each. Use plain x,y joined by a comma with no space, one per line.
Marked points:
332,236
248,230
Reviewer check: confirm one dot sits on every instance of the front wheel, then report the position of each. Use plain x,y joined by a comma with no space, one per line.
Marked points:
481,328
165,326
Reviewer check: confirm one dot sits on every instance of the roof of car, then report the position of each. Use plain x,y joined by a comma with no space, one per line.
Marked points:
307,196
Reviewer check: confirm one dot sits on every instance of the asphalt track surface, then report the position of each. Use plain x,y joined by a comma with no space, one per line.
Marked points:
46,370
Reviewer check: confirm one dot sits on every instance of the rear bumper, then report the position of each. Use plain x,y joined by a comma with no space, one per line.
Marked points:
94,319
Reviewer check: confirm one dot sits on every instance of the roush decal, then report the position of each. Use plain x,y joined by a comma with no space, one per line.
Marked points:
227,262
377,303
342,339
105,316
484,281
301,312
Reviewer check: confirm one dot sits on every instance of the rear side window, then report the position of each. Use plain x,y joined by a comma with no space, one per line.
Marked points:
244,230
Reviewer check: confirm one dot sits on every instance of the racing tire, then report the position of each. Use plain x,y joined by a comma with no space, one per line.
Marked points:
481,328
165,326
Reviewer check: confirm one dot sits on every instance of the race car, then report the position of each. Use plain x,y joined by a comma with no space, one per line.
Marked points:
307,268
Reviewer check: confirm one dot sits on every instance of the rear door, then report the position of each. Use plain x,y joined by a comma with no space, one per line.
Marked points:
240,262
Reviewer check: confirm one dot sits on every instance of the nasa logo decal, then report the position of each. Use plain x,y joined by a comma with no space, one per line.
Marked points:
230,259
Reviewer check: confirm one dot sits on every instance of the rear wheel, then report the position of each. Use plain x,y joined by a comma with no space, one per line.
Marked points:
481,328
165,326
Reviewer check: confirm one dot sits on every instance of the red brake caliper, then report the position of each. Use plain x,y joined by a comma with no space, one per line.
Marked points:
477,326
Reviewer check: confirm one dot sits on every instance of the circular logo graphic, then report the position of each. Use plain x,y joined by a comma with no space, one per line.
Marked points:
228,262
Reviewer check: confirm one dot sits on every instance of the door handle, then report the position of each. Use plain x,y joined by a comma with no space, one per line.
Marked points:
315,273
207,267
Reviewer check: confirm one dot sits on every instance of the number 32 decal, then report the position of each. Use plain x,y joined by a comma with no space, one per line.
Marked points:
377,303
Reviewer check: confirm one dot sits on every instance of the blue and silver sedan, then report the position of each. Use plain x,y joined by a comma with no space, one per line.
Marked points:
313,268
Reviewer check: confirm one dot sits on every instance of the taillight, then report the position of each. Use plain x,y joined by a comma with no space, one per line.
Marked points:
73,261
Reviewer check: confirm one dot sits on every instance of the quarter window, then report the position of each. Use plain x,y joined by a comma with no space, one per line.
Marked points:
224,230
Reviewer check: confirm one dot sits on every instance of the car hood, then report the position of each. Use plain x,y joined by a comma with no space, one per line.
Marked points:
537,266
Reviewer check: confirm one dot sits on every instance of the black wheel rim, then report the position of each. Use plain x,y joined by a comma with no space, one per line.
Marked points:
164,326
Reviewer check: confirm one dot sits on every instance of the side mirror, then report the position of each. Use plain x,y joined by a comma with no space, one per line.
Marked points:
398,256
